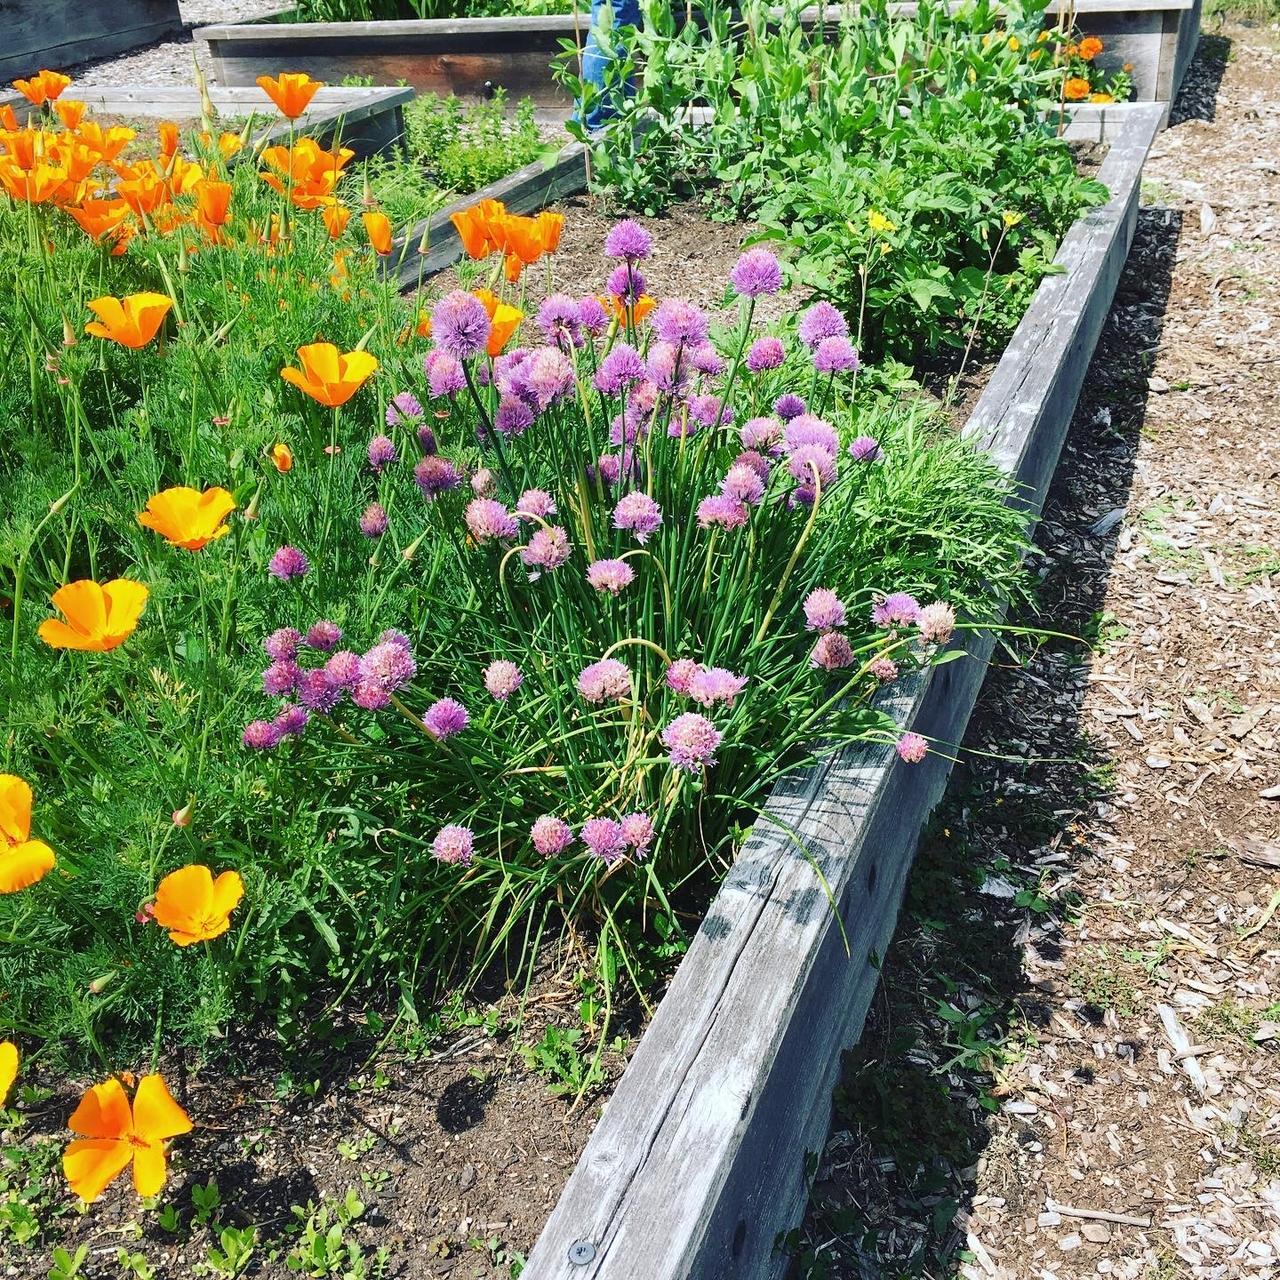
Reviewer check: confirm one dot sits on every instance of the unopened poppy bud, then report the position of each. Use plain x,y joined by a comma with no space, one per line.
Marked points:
182,817
411,550
251,511
68,333
99,985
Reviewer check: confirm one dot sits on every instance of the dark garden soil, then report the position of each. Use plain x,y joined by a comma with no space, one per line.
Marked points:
1073,1063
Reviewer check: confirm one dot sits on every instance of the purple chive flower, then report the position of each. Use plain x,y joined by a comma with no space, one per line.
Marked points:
404,407
761,433
765,353
809,429
369,696
445,717
629,241
547,549
316,692
603,838
535,502
387,666
323,635
445,376
680,323
811,459
912,748
637,832
488,520
483,483
594,318
560,321
382,453
550,835
434,475
835,355
454,844
610,575
721,511
937,622
288,563
884,669
715,684
373,522
831,652
619,369
691,741
292,721
789,406
865,449
756,272
283,644
608,467
392,636
550,376
822,320
513,417
427,440
626,282
640,514
281,678
743,483
680,674
261,735
460,325
706,360
754,461
604,680
502,679
897,609
823,610
343,669
667,371
710,411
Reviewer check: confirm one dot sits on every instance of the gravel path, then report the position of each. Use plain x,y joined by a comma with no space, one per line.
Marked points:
1073,1064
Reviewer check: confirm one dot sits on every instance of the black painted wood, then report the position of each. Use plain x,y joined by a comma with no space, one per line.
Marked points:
58,33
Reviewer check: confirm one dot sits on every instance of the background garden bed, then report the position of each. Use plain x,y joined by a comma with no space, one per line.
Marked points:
56,33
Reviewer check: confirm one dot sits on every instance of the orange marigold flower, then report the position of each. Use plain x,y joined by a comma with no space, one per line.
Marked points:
187,517
1076,89
70,112
282,458
131,321
336,216
42,88
8,1069
1089,48
378,228
329,376
213,199
23,861
291,92
98,617
504,320
195,907
112,1134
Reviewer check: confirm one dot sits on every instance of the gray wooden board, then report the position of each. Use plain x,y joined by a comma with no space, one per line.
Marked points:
697,1163
57,33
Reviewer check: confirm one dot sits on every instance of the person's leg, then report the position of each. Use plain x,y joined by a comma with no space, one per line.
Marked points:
626,13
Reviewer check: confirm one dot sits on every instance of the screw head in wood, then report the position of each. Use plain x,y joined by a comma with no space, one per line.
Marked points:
581,1252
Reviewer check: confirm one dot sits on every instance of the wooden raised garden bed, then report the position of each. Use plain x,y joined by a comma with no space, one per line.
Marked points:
58,33
471,57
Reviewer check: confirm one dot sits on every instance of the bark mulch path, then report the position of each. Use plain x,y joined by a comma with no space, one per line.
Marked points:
1073,1063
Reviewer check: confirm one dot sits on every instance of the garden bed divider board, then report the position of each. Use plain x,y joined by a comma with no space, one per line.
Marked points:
58,33
367,120
697,1164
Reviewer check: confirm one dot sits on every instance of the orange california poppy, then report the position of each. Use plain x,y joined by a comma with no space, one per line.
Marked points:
423,327
329,376
229,144
378,228
112,1134
35,185
70,112
473,230
188,518
98,617
132,321
282,458
523,238
168,131
336,216
512,268
8,1069
504,321
1089,48
23,861
195,907
42,88
639,309
550,227
1076,89
291,92
8,117
213,199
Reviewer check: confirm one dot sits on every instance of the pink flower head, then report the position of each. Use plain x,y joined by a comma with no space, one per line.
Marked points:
808,429
637,832
547,549
550,376
292,721
595,319
810,460
823,610
765,354
369,696
343,669
691,741
621,368
261,735
502,679
715,684
831,652
789,406
710,411
445,375
535,502
639,513
373,522
937,622
706,360
604,680
281,678
288,563
629,241
897,609
865,449
316,692
608,467
560,321
666,368
488,520
756,272
435,475
382,453
610,575
323,635
404,407
757,462
743,483
680,674
761,433
387,666
912,748
427,440
446,717
550,835
513,417
720,511
483,483
627,283
603,838
680,323
821,320
455,845
283,644
835,355
460,325
883,669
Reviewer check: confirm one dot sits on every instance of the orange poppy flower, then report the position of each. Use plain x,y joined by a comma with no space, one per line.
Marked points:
1089,48
329,376
8,1069
195,907
32,186
23,861
70,112
213,199
113,1134
639,309
336,216
291,92
168,131
282,458
504,321
98,617
377,227
106,143
1076,89
550,227
523,238
131,321
423,327
42,88
8,117
473,230
512,268
188,518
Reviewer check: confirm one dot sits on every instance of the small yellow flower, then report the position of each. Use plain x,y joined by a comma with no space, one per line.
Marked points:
1015,44
880,224
1010,218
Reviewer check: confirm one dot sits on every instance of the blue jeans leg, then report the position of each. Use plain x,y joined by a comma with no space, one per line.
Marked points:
626,13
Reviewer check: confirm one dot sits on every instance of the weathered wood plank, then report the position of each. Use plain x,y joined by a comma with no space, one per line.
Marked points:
58,33
697,1163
